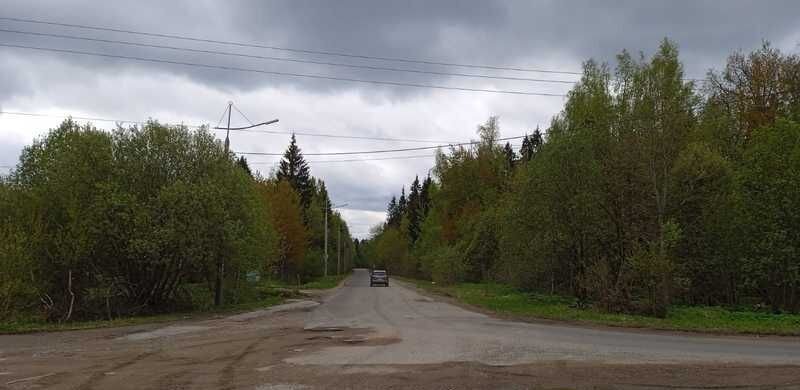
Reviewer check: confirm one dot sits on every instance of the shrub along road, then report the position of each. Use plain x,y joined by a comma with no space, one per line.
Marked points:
362,337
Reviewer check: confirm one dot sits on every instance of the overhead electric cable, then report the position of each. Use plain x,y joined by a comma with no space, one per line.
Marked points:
274,132
349,160
337,64
280,48
380,151
301,75
86,118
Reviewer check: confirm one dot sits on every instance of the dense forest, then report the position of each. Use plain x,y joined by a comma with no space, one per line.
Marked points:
97,224
648,189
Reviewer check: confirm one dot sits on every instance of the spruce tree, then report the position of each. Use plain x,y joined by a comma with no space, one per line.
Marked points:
402,204
526,151
392,214
510,156
536,141
241,162
425,197
414,211
294,169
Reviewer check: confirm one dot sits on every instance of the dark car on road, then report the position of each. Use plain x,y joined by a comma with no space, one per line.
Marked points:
379,276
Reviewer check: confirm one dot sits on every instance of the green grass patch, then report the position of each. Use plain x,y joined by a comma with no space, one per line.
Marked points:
503,299
33,324
320,283
323,283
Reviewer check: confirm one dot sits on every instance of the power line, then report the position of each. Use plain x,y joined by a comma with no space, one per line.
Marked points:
337,64
288,49
372,159
275,132
349,160
369,138
85,118
380,151
269,72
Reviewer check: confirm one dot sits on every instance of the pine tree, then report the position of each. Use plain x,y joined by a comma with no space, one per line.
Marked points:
425,197
510,156
392,214
536,142
294,169
414,211
526,151
241,162
402,204
323,194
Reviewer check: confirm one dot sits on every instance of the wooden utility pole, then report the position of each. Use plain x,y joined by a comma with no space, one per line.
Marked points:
218,283
221,259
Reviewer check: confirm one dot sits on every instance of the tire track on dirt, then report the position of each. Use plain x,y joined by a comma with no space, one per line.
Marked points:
99,375
226,374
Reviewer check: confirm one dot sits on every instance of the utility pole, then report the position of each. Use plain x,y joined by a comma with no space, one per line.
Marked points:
218,287
228,130
339,248
221,259
325,211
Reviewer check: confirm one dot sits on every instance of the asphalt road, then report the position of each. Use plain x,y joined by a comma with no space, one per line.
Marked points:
421,330
361,337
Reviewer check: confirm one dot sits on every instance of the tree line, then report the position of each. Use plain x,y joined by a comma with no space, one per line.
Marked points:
97,224
647,190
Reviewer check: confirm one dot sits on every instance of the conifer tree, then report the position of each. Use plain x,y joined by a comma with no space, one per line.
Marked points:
402,204
526,151
510,156
392,214
241,162
413,211
294,169
425,197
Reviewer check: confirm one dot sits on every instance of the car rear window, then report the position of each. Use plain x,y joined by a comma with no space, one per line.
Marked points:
379,272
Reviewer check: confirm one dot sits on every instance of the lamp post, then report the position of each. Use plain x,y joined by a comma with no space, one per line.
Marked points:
221,261
325,211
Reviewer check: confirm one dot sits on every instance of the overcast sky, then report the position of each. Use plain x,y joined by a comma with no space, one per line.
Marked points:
545,35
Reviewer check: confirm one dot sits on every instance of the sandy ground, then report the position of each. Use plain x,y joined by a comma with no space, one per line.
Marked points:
373,338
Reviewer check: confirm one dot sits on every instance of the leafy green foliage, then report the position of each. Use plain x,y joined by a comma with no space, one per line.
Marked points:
644,194
143,220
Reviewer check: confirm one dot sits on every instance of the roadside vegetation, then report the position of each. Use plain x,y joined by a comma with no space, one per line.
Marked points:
261,294
652,199
142,221
509,301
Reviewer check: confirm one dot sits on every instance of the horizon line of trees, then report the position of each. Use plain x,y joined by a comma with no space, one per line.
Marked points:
97,224
646,190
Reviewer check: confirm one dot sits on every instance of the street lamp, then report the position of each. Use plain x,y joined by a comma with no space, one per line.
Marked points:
221,261
325,211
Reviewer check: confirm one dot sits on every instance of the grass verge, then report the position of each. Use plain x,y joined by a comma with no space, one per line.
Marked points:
506,300
272,292
32,324
321,283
